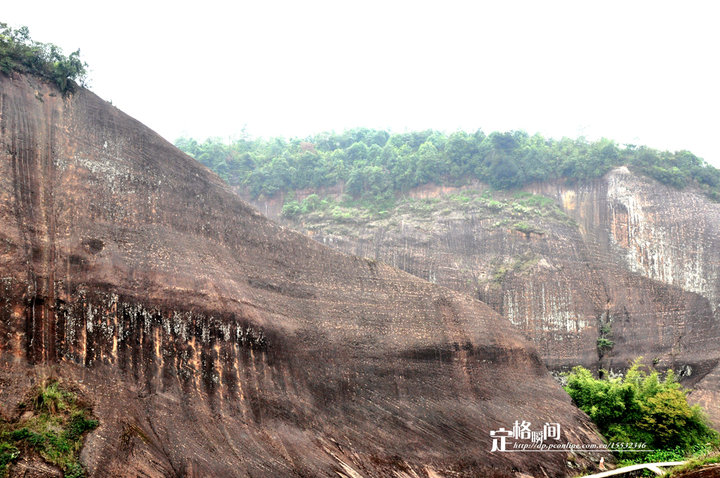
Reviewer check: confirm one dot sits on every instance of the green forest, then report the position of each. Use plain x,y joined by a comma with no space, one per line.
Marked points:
19,53
375,165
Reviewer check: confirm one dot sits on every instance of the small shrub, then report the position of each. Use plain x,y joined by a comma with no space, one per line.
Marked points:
290,209
55,430
74,470
311,203
526,228
78,425
604,344
494,205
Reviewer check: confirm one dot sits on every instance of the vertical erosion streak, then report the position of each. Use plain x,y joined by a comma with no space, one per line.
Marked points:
30,151
48,202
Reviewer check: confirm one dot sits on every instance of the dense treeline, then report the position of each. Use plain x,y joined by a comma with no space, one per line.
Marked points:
18,52
376,164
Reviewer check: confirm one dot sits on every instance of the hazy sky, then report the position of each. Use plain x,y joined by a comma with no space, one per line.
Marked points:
634,71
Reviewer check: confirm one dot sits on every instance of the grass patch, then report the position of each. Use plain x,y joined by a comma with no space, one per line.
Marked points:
520,205
526,228
53,424
695,463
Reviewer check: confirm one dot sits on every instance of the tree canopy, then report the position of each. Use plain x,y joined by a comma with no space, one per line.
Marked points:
18,52
376,164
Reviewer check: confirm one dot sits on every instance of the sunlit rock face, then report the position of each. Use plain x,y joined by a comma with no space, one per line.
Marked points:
664,250
212,342
664,235
629,260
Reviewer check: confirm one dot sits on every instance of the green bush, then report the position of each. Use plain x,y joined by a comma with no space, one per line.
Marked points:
54,430
311,203
8,453
604,344
290,209
641,407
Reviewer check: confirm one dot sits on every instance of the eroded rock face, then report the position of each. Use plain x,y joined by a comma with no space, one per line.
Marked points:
632,261
216,343
663,249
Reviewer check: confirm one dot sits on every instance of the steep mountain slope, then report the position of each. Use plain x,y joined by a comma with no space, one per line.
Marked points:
595,273
212,342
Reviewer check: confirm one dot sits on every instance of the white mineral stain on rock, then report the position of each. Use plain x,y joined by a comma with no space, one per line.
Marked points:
569,200
651,247
534,307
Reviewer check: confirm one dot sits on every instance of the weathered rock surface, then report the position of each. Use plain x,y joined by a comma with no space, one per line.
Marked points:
213,342
632,261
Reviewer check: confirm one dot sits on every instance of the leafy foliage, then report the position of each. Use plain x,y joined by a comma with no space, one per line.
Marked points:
55,429
18,52
641,407
604,344
604,341
376,165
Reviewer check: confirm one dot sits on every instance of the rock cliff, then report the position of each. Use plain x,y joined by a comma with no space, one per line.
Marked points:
212,342
595,273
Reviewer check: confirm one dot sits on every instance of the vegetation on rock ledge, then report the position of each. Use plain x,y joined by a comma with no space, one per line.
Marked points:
18,52
521,211
53,424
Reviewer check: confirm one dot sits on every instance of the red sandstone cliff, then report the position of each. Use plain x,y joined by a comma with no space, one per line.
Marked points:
627,258
213,342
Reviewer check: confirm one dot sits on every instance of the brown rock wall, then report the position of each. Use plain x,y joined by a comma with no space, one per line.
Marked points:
216,343
634,261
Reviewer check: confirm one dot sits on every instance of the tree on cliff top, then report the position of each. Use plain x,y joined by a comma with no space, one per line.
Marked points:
18,52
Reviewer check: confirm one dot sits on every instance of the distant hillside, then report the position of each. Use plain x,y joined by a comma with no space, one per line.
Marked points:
595,264
375,165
